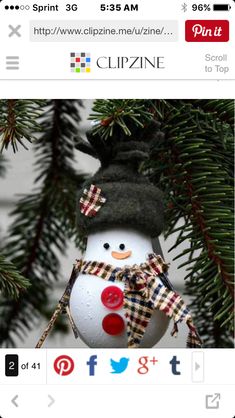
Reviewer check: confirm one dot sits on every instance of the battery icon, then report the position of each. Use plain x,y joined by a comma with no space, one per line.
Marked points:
221,7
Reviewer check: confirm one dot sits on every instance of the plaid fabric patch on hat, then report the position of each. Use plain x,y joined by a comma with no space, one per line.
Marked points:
143,294
91,201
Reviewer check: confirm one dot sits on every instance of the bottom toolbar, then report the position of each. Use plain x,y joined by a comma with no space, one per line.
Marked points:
108,401
116,366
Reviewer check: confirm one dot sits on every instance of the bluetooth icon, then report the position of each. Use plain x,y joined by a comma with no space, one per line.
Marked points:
184,7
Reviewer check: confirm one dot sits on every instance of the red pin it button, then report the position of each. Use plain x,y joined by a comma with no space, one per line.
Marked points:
112,297
113,324
207,30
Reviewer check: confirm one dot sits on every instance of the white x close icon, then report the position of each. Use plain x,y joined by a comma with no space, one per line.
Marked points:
14,31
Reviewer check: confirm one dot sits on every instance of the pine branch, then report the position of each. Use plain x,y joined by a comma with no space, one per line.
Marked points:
194,165
11,281
223,110
45,219
18,122
112,116
209,328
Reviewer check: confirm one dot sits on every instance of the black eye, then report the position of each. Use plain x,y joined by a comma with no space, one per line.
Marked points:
122,246
106,245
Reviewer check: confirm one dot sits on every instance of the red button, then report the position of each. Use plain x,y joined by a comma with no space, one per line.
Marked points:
207,30
113,324
112,297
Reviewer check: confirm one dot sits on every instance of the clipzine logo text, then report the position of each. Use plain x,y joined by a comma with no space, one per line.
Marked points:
132,62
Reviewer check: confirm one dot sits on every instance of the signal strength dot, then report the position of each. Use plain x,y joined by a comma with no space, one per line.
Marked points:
12,7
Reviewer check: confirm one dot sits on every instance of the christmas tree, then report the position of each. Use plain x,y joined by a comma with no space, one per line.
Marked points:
191,162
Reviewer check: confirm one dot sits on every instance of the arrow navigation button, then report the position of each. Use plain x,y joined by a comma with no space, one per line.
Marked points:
197,366
52,401
14,401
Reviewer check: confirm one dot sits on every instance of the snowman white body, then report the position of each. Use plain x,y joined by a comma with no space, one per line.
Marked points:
87,309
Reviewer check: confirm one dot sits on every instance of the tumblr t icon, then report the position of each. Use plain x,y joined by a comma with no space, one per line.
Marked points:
174,362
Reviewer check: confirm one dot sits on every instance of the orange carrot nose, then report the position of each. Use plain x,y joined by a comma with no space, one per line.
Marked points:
121,256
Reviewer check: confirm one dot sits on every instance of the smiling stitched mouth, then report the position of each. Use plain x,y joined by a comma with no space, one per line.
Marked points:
121,256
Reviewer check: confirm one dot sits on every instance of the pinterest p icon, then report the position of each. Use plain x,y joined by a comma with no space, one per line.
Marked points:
64,365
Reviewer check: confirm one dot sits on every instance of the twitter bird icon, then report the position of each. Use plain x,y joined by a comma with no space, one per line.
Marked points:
119,366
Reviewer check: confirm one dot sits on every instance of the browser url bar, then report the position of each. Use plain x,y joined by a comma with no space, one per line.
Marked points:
105,31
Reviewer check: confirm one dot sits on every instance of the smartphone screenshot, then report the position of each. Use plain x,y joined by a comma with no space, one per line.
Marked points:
117,208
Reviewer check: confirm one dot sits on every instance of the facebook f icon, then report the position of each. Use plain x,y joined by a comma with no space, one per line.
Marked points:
174,362
92,363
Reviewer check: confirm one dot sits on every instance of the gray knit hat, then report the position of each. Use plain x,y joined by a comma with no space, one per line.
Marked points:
118,195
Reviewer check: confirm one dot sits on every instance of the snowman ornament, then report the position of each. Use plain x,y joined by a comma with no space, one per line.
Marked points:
96,305
119,212
119,294
122,296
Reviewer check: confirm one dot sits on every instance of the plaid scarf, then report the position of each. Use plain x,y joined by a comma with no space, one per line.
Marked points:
143,294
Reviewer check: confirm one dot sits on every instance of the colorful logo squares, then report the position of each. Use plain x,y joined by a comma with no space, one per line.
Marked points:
80,62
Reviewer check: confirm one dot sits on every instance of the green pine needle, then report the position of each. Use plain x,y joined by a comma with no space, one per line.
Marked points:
18,122
110,115
11,281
